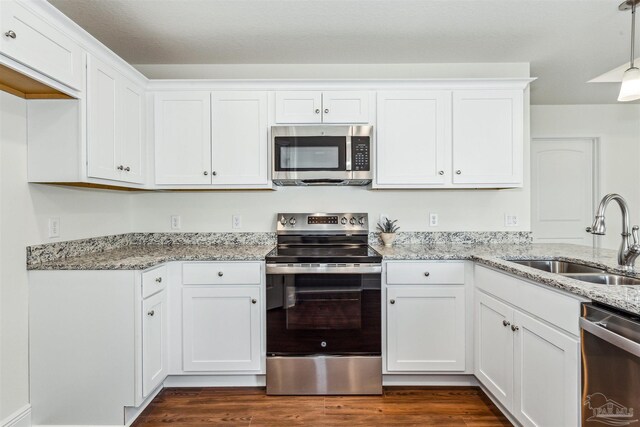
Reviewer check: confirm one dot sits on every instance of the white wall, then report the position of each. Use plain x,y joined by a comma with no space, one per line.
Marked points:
618,128
24,210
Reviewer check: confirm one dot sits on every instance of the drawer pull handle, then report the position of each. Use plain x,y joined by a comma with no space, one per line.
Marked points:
440,172
127,169
458,172
514,328
159,279
505,323
317,111
120,168
151,313
254,301
426,274
220,274
10,34
392,301
326,111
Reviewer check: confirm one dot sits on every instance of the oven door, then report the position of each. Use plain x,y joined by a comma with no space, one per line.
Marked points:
319,313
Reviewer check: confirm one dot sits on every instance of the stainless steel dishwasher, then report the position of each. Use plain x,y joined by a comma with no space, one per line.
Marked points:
610,367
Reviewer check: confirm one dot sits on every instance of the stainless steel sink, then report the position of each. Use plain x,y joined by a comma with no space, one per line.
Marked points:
559,267
606,279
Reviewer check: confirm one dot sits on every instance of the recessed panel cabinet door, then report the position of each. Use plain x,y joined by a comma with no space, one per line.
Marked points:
240,145
425,328
298,106
32,41
345,106
154,341
182,131
103,139
221,329
414,131
494,347
545,375
488,137
131,127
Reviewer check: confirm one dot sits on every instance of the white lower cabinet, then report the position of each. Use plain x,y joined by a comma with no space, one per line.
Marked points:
222,328
154,341
425,328
529,366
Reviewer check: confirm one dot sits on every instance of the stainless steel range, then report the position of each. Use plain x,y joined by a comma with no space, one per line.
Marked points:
323,306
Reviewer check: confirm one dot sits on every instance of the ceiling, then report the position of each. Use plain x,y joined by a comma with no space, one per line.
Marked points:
567,42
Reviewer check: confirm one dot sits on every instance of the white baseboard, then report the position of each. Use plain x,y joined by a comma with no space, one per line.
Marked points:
429,380
20,418
132,413
215,381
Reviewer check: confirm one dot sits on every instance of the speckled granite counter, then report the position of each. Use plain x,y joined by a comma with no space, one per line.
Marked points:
140,257
498,256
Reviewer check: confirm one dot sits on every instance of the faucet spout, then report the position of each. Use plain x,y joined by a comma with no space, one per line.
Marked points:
627,253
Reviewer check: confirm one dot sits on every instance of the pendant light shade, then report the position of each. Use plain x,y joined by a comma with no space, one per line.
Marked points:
630,88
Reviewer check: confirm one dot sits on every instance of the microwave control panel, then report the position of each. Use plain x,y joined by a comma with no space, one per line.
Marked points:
360,153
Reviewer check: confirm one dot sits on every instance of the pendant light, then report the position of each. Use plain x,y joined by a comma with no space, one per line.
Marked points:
630,88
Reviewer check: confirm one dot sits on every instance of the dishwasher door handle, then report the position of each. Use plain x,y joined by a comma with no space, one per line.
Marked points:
610,337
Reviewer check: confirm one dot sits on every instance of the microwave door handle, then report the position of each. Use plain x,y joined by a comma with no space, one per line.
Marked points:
348,153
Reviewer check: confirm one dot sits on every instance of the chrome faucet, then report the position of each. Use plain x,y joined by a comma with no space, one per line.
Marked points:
627,253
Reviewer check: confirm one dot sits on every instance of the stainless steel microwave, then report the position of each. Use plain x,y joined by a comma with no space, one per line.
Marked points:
322,155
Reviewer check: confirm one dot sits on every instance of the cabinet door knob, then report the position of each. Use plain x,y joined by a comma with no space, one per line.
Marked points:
151,313
326,111
426,274
505,323
514,328
214,173
206,173
458,172
392,301
120,168
220,273
317,111
159,279
10,34
127,169
440,172
254,301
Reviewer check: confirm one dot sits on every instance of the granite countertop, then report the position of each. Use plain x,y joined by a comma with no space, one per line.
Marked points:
140,257
498,256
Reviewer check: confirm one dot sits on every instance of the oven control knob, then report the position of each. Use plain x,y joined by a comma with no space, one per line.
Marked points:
352,221
323,344
283,221
361,220
292,221
343,221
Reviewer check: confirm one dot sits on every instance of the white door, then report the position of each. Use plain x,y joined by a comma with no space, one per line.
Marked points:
494,347
183,137
425,328
131,130
240,144
414,131
35,43
298,106
562,189
546,379
488,135
221,328
154,341
345,107
103,141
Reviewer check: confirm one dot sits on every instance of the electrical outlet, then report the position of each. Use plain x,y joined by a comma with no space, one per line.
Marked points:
54,227
236,221
176,222
510,220
433,220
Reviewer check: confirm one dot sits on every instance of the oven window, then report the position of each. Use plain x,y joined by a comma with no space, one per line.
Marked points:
310,153
312,306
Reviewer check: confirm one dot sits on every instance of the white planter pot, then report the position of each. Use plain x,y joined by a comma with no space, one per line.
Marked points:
388,238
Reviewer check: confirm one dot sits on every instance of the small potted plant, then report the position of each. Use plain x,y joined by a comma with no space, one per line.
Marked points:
388,230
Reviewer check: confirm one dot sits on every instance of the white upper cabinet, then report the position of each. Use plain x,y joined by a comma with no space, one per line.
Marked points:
322,107
28,39
239,139
414,134
488,135
182,130
115,138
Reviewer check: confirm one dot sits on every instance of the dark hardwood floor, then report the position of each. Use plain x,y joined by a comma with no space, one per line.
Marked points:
399,406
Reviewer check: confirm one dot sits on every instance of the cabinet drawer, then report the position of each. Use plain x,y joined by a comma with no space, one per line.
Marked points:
424,273
153,281
221,273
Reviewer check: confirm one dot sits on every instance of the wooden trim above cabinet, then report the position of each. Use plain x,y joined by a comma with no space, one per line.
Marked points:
15,83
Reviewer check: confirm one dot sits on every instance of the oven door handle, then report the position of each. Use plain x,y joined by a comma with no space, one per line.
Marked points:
612,338
324,269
